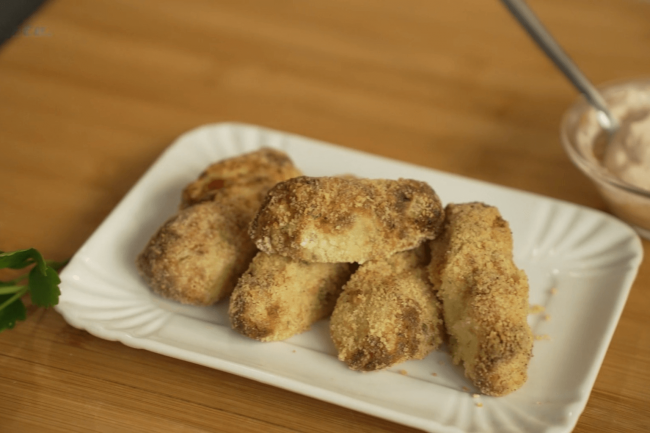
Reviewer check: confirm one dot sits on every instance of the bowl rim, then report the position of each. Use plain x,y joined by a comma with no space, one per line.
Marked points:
577,108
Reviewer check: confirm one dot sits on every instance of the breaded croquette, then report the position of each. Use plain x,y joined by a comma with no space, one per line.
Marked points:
197,255
278,297
484,297
245,177
387,313
333,219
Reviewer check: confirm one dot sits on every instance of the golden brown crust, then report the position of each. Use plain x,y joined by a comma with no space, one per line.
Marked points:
278,297
333,219
387,313
197,255
245,178
484,297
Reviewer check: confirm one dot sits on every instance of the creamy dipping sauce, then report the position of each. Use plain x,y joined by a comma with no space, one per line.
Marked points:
627,155
624,157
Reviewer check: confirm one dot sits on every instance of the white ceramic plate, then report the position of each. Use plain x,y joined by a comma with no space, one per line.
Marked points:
590,258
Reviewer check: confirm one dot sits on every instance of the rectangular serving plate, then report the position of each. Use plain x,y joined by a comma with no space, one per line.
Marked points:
581,264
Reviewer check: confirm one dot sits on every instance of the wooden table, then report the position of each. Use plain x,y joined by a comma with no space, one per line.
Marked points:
91,92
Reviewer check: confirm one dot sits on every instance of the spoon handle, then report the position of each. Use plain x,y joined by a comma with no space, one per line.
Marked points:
529,21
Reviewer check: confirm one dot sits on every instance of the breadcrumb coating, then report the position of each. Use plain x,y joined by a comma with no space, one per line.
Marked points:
484,297
387,313
279,297
245,178
197,256
333,219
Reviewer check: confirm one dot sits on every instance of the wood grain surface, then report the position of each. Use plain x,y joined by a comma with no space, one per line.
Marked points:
92,91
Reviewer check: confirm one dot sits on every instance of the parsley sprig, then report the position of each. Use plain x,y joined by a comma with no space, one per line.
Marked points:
42,283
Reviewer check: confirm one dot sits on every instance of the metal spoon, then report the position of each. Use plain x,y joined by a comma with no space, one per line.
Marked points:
547,43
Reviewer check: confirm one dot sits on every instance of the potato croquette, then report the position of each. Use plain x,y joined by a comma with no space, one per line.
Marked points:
197,256
246,177
387,313
484,297
278,297
333,219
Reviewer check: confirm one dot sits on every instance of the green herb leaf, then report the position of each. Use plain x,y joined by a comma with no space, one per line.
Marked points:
57,265
44,289
23,258
11,313
42,283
